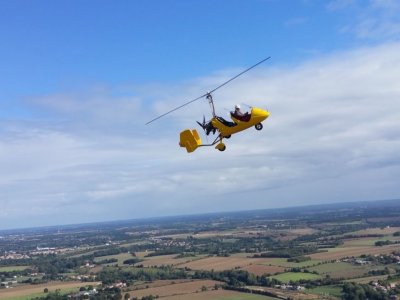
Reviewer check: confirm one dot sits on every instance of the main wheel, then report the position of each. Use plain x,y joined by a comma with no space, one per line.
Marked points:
220,146
259,126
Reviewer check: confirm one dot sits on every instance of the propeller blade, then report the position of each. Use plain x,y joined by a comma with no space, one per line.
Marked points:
201,125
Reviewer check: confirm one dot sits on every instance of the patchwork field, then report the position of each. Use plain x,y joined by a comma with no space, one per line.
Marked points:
30,291
340,252
191,290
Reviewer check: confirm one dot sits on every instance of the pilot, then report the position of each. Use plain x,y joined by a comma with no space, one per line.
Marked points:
237,112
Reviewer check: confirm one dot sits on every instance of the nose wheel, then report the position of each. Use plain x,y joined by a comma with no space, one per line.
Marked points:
220,147
259,126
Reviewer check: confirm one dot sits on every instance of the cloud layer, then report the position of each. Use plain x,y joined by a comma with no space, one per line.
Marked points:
333,135
374,20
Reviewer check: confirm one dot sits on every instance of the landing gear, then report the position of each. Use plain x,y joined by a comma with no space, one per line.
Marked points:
227,137
259,126
220,146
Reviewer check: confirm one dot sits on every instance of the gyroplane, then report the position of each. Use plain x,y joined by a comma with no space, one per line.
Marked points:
190,138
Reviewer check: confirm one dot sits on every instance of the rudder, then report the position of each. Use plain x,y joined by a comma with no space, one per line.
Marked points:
190,140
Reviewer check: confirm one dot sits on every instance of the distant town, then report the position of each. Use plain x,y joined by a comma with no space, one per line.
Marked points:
315,252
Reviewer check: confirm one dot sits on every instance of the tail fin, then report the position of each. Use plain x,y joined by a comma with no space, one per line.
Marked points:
190,140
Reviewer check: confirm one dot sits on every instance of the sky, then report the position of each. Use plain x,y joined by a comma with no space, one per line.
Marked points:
79,80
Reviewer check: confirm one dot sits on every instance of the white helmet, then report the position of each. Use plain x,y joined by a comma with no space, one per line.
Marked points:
237,106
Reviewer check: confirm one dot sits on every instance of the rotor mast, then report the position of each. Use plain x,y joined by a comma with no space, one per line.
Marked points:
211,102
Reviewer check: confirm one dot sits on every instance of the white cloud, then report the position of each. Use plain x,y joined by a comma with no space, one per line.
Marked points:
374,20
340,4
333,135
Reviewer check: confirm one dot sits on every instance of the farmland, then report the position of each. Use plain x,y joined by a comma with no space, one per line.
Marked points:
221,263
13,268
290,276
337,253
219,295
298,253
27,292
176,289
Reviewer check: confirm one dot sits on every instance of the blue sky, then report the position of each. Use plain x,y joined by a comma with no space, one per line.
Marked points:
80,78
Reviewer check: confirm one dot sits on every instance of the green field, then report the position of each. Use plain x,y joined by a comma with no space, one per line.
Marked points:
13,268
292,276
368,279
41,294
330,268
342,269
121,258
282,262
328,290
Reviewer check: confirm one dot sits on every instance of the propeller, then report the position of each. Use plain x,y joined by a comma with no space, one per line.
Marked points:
203,125
207,127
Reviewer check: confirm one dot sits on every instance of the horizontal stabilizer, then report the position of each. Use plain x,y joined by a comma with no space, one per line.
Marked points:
190,140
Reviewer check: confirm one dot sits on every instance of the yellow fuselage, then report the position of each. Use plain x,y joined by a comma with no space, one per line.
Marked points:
257,116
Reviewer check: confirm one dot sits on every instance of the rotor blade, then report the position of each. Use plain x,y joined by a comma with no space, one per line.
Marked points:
204,95
176,108
241,73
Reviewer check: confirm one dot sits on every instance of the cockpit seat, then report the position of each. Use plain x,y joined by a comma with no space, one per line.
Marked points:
244,118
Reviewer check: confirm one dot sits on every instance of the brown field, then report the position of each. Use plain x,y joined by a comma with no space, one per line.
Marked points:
175,289
222,263
287,235
217,295
286,294
26,290
303,231
159,283
342,270
263,269
336,253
